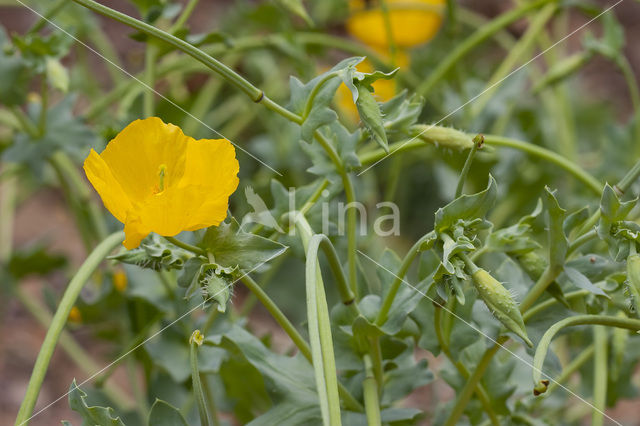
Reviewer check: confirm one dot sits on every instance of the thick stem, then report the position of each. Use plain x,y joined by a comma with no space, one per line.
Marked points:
399,276
321,240
592,183
534,310
543,345
474,379
59,320
495,140
600,374
480,391
77,354
370,391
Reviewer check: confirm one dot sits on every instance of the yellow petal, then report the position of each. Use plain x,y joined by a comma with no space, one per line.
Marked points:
413,22
112,194
136,155
135,231
212,168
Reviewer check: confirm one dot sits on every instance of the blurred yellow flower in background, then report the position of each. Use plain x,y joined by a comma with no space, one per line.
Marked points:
120,281
75,316
154,178
413,22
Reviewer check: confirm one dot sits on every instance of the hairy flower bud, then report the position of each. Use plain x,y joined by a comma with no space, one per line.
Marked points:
500,302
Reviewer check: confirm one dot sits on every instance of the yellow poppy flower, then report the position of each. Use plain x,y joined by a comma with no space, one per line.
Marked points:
153,178
413,22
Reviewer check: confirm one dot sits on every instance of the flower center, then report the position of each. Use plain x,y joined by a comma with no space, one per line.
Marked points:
162,171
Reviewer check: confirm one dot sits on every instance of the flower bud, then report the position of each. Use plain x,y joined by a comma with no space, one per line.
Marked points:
502,305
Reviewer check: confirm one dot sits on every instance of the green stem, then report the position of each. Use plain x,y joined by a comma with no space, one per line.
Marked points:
323,358
475,39
194,342
8,199
465,395
571,368
150,79
210,400
582,239
547,277
600,374
313,199
321,240
384,7
370,391
543,345
477,143
521,50
534,310
592,183
632,84
228,74
352,243
395,286
314,92
494,140
295,336
628,179
186,246
75,352
278,315
81,192
47,16
306,235
25,122
480,391
60,319
184,16
44,104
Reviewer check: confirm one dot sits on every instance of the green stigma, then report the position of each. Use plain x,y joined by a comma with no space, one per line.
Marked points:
161,172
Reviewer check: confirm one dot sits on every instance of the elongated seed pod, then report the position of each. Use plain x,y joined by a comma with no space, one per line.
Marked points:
500,302
633,281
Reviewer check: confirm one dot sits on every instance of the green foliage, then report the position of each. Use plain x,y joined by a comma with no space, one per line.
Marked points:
509,257
91,415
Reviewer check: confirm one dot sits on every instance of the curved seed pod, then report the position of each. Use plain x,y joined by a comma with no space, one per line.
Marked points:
500,302
633,281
